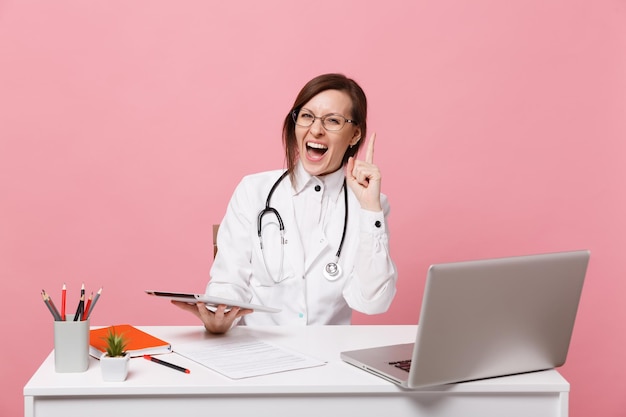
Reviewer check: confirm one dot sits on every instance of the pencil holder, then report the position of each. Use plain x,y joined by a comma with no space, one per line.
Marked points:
71,346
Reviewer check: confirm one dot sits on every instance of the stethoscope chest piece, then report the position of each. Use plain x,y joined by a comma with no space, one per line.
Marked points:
332,271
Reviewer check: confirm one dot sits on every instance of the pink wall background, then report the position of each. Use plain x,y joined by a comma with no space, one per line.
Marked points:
124,127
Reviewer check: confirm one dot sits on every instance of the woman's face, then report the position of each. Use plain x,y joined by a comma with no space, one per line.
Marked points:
321,151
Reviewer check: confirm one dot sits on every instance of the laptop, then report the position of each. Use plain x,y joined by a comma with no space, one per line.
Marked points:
486,318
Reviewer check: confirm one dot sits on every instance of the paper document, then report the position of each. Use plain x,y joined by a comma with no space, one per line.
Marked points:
243,356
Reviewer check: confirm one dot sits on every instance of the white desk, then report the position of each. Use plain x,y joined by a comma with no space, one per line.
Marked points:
335,389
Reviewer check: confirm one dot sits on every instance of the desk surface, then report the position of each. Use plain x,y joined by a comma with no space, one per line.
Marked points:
336,378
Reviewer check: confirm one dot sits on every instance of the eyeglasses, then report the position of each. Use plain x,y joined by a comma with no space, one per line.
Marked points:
331,122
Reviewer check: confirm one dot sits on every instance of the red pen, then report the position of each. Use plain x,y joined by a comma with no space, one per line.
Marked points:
171,365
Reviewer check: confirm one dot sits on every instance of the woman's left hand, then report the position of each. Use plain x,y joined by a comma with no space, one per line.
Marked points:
363,178
217,322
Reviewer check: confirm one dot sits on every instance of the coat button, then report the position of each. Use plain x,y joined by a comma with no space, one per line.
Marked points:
378,223
318,188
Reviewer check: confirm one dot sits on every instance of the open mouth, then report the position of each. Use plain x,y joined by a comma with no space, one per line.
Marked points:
315,150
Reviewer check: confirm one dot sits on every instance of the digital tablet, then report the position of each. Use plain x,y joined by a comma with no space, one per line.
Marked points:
210,301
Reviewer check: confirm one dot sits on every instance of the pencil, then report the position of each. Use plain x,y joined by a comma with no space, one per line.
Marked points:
46,301
54,308
79,309
63,301
86,315
170,365
82,297
95,300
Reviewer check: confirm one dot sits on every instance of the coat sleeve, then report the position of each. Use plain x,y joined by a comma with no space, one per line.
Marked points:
372,284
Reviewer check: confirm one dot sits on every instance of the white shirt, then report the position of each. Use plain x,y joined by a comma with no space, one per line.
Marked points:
313,218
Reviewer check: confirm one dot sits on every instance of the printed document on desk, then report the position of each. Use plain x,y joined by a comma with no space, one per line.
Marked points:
242,356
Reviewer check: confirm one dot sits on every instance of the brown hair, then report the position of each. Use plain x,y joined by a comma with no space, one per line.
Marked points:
311,89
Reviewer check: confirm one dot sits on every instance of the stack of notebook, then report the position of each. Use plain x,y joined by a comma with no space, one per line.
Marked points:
139,342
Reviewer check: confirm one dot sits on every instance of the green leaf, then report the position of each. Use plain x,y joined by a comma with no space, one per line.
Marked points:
115,344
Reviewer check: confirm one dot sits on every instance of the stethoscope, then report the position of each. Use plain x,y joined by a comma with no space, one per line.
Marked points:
332,270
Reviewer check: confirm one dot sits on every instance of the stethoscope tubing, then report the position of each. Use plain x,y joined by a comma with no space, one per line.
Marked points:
332,269
269,209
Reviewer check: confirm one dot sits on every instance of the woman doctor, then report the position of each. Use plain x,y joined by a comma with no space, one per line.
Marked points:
311,240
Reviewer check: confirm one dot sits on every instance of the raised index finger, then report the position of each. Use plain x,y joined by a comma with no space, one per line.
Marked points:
369,155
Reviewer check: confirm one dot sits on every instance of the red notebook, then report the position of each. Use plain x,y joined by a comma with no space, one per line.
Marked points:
139,342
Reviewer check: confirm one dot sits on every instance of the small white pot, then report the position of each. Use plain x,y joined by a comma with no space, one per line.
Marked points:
114,369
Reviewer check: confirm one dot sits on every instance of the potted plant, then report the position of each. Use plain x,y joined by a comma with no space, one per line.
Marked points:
114,362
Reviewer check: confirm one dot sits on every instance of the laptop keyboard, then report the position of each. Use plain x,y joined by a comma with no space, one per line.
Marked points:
405,365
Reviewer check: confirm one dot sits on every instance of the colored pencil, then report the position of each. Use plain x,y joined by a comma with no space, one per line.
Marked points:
82,297
48,302
79,309
86,313
95,300
63,301
54,308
